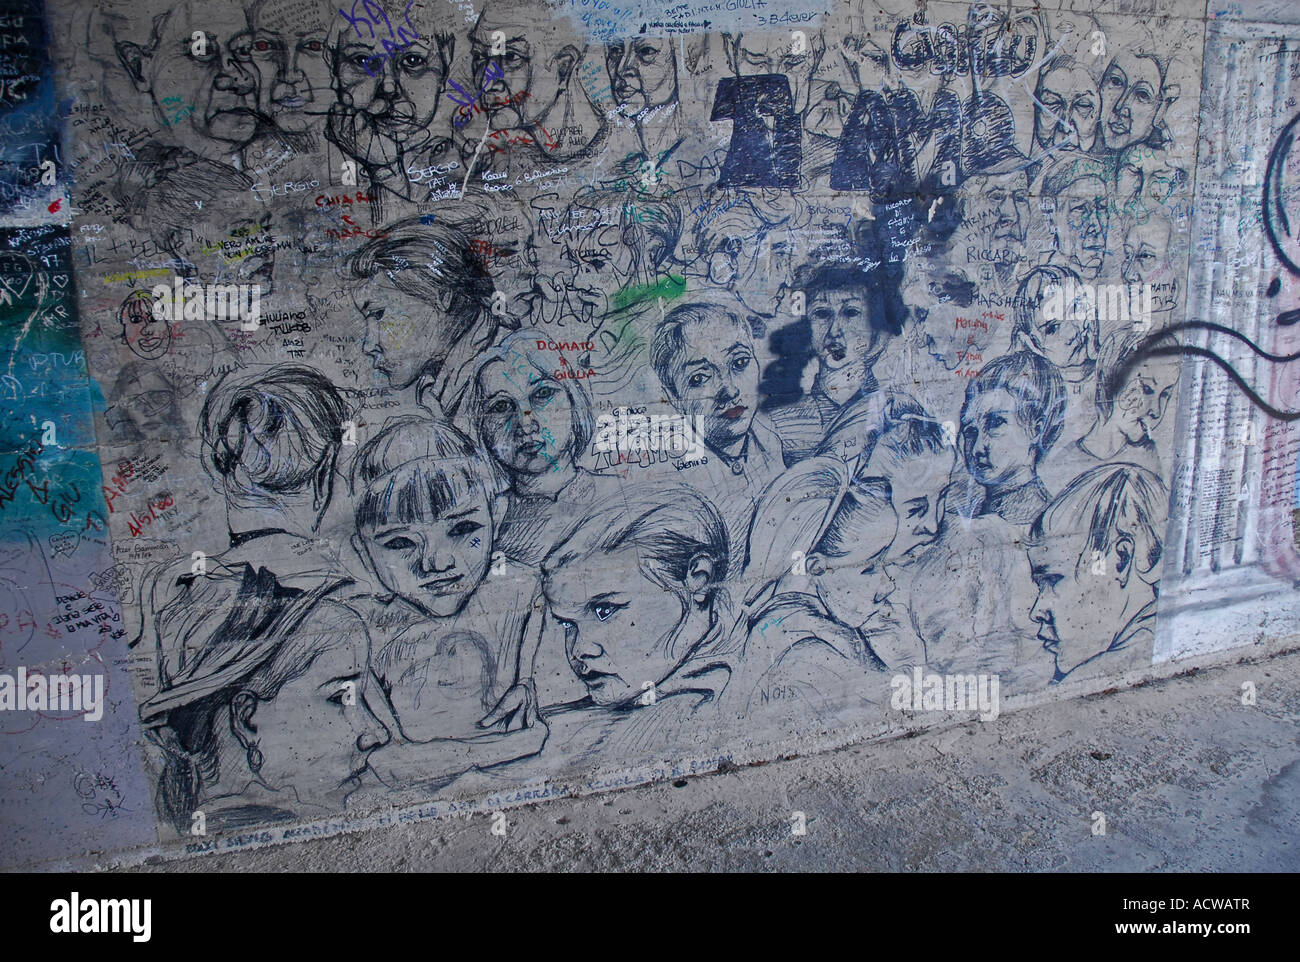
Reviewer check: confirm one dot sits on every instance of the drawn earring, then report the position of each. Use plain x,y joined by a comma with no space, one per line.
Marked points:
255,758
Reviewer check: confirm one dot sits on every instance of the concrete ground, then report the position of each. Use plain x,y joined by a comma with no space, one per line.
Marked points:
1187,777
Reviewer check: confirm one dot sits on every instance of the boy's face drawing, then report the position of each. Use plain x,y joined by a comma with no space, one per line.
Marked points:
617,628
435,564
1079,613
994,443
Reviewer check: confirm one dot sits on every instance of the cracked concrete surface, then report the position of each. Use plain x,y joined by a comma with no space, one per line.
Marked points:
1187,777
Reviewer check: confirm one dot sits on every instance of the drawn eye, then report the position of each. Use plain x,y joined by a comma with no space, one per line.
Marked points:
604,609
314,46
399,544
1051,329
920,507
261,46
338,697
463,528
544,393
740,363
413,62
697,379
501,407
512,61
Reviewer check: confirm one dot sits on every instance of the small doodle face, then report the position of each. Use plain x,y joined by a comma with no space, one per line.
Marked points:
618,627
995,445
715,375
329,701
526,419
642,71
1067,109
433,563
146,333
1141,405
1130,100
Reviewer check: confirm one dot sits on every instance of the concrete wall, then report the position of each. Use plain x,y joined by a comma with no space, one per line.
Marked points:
429,407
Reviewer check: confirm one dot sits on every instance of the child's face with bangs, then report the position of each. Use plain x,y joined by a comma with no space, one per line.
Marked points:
433,559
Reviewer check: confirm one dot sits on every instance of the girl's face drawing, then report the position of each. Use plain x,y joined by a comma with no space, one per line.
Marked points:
435,564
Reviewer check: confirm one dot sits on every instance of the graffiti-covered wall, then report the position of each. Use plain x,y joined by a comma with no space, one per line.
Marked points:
415,407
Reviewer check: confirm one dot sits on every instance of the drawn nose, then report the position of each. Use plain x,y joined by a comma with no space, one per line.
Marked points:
373,735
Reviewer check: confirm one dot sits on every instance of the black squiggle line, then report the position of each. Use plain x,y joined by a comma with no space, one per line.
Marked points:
1211,326
1185,350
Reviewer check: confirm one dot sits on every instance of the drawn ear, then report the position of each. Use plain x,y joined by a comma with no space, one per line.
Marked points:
816,564
568,58
699,576
1122,555
242,708
322,485
132,58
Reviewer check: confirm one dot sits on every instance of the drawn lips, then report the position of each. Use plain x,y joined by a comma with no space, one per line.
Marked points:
1047,635
732,414
441,585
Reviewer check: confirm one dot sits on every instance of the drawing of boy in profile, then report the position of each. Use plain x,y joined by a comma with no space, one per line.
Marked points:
450,616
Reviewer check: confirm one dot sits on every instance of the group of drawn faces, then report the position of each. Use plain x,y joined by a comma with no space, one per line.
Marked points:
1076,111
